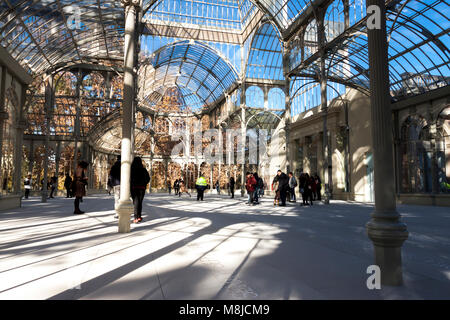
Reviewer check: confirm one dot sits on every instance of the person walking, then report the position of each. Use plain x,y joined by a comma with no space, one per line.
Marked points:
200,185
250,185
68,185
292,186
114,178
53,186
27,185
79,185
139,178
275,188
182,188
232,184
283,187
169,186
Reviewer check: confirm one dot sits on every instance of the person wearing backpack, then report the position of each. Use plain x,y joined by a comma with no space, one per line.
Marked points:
292,186
139,178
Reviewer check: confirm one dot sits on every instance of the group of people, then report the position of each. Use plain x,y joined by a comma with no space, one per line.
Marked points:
255,188
201,185
179,188
52,185
284,187
139,179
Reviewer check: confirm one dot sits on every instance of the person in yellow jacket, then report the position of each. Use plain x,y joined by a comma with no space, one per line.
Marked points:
201,185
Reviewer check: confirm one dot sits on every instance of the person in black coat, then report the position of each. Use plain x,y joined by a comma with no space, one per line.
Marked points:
68,185
283,186
114,182
139,178
232,183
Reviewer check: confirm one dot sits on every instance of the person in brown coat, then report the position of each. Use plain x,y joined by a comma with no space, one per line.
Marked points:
79,185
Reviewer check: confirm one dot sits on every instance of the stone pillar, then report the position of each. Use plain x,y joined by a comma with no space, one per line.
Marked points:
48,109
77,121
324,111
384,229
287,121
244,139
57,159
18,153
3,118
125,207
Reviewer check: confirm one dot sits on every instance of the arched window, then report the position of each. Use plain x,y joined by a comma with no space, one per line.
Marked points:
65,84
254,97
93,85
416,156
310,39
265,60
357,10
277,99
334,20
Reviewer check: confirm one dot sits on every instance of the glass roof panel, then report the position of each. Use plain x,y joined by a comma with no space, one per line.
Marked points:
223,14
193,66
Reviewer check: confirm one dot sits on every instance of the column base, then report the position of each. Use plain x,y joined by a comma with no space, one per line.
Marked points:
388,234
124,210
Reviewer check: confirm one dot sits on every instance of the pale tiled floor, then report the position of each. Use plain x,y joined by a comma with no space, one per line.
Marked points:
216,249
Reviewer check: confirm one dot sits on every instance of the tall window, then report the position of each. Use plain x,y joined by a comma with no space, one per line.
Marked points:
254,97
416,156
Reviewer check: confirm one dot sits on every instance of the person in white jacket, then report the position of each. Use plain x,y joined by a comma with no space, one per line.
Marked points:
27,185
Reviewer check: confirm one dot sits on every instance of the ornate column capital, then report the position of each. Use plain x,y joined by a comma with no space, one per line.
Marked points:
127,3
131,4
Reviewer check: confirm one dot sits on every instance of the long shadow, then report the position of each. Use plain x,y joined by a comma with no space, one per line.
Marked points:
106,278
107,237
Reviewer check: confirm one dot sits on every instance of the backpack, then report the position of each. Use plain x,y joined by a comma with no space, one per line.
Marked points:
260,183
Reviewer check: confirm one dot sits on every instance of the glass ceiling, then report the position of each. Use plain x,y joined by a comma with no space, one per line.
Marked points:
227,14
43,35
200,73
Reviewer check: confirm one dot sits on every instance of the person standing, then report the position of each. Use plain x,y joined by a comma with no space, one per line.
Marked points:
53,185
201,185
250,185
182,188
283,187
79,184
292,186
303,186
27,185
309,182
232,183
275,188
258,187
68,185
176,186
318,186
169,186
139,178
218,187
114,178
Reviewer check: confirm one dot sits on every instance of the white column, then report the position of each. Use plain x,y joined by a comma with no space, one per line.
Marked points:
125,207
